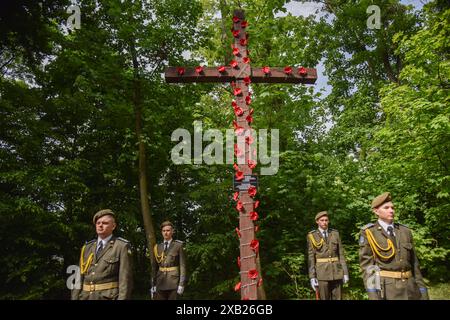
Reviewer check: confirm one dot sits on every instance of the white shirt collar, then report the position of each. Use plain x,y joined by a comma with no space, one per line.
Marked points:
105,241
168,242
385,225
322,231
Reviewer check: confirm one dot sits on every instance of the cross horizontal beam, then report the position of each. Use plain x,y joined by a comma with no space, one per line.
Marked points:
257,75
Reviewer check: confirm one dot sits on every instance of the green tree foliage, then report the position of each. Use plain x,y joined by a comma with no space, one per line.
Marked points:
68,145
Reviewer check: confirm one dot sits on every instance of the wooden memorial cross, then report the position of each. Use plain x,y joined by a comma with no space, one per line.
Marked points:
240,75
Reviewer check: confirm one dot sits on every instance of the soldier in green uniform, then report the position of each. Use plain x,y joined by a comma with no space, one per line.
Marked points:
326,260
105,263
169,271
387,257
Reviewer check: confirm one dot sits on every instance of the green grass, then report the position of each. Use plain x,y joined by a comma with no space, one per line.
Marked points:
440,291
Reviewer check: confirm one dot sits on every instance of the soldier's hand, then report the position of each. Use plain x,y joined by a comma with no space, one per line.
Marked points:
152,291
314,283
180,290
346,278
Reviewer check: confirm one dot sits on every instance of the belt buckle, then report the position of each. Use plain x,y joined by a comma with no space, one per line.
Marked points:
92,287
403,275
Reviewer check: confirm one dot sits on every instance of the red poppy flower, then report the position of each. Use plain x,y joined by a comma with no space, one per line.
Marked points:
266,70
252,191
256,229
238,111
236,33
238,232
237,91
239,175
288,70
221,69
254,215
237,151
234,104
252,274
237,128
180,70
199,69
236,196
254,245
247,80
236,51
244,24
246,60
239,262
251,111
249,119
245,298
239,205
236,19
236,167
256,204
260,281
233,63
302,71
237,287
248,100
249,140
251,164
243,42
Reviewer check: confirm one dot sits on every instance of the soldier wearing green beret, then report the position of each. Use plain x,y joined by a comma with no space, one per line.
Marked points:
387,256
326,261
105,263
169,271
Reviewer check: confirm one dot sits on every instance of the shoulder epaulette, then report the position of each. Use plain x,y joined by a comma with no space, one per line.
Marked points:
313,230
122,239
369,225
90,241
179,241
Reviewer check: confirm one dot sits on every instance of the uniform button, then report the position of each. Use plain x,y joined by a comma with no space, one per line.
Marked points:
95,265
92,282
90,292
93,273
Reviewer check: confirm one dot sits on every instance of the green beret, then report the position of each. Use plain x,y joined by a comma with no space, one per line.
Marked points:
321,214
101,213
382,198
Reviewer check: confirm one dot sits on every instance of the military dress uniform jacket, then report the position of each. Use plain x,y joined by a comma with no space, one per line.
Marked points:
400,276
326,260
112,270
170,267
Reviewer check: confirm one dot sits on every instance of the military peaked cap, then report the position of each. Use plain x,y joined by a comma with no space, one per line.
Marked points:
382,198
101,213
321,214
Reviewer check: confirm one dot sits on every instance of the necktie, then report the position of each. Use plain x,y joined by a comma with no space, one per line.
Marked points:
390,231
99,248
325,236
166,246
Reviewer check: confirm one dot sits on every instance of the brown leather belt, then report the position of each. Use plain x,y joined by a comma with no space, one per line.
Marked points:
166,269
334,259
396,274
100,286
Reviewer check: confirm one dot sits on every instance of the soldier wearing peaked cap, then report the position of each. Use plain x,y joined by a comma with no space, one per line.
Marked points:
169,266
326,260
387,256
105,263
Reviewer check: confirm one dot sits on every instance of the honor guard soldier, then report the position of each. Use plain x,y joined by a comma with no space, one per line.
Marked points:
169,266
387,257
326,260
105,263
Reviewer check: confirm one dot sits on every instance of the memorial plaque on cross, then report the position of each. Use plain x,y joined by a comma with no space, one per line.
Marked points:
240,74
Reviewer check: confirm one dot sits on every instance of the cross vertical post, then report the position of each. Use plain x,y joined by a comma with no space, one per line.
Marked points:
240,74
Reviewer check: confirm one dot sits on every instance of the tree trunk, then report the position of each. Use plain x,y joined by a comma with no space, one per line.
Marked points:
143,189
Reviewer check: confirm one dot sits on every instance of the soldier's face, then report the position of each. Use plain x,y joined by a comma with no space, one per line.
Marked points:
385,212
322,222
105,226
167,232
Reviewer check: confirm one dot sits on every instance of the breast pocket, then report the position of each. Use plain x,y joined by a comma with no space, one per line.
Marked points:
112,264
406,251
